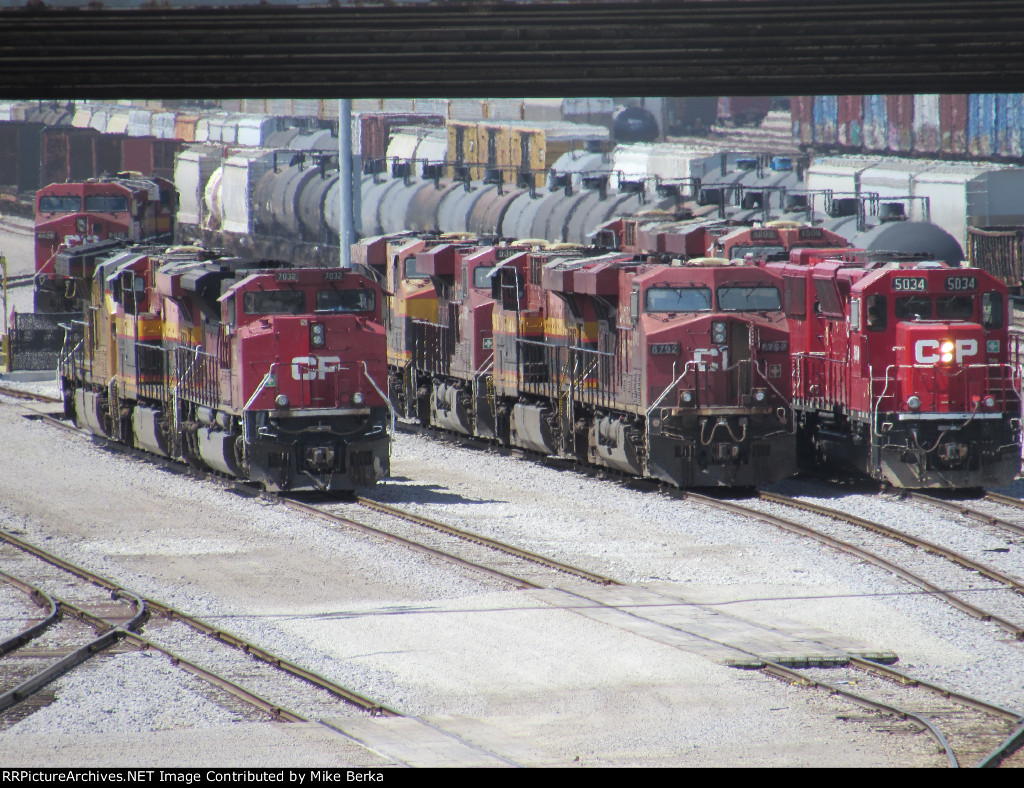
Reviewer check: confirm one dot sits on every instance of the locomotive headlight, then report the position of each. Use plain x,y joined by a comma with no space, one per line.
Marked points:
913,402
358,398
317,336
760,396
718,332
687,397
989,401
281,400
946,349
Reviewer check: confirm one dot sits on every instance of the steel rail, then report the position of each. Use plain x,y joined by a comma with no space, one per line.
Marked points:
19,394
54,671
892,674
913,541
788,673
803,530
486,541
974,514
200,626
369,529
107,639
1009,745
796,676
42,599
781,670
220,681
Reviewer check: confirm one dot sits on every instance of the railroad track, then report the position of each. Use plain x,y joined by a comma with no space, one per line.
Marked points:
474,551
1006,586
28,395
967,725
967,729
19,280
229,662
976,513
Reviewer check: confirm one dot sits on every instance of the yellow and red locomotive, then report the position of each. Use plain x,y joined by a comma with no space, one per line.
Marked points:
127,207
249,368
676,372
900,370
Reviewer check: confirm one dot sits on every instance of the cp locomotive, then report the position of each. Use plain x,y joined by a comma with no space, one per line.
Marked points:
900,370
675,372
249,368
127,207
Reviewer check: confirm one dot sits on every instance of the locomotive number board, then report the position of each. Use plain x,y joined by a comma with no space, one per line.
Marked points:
909,284
959,284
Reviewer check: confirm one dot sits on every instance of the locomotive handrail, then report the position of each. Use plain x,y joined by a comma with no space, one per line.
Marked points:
485,366
391,408
890,375
259,389
781,396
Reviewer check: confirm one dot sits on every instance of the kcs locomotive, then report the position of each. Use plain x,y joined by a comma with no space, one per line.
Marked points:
249,368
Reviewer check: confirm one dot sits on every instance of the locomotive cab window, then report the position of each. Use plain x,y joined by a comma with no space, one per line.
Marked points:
992,310
954,307
274,302
875,313
678,299
341,301
913,308
106,203
749,298
60,203
481,278
410,271
769,253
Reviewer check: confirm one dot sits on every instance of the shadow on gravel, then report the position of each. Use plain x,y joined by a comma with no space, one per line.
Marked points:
815,486
420,493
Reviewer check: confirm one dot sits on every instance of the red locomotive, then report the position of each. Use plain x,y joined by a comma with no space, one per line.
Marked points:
900,369
249,368
677,372
126,208
773,241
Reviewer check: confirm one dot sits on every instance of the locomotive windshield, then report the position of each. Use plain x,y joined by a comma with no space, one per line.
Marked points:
913,308
678,299
769,253
106,203
345,300
747,298
481,278
954,307
958,307
274,302
60,203
410,269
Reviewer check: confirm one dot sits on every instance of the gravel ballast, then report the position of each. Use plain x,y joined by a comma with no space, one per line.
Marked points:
451,646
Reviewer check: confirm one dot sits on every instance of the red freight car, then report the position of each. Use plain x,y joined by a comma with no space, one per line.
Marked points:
900,370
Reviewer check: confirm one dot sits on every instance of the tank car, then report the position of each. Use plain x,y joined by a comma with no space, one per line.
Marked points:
127,207
900,371
675,372
252,369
